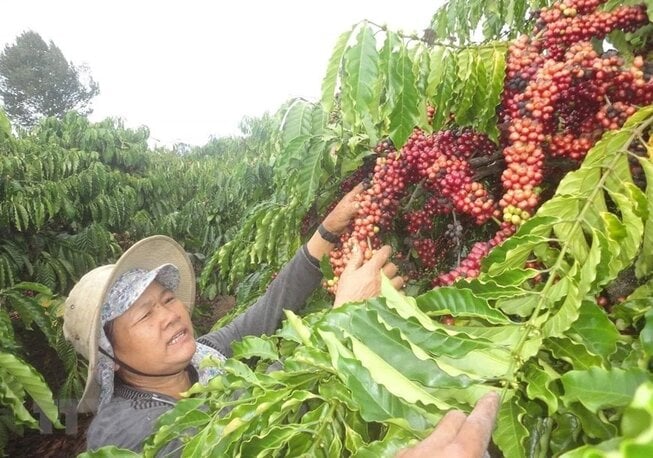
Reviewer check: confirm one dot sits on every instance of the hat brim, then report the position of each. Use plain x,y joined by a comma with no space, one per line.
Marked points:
149,253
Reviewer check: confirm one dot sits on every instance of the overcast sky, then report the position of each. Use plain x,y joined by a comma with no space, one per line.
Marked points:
192,69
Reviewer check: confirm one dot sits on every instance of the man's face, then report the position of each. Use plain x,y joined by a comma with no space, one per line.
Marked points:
155,335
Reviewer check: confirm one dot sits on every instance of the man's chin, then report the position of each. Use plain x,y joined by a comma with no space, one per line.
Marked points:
183,354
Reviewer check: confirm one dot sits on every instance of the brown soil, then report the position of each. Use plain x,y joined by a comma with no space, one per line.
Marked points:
211,312
56,444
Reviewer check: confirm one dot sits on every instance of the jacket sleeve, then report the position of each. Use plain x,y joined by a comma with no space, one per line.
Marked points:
289,290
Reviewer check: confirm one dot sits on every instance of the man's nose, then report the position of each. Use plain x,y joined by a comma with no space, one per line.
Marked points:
168,314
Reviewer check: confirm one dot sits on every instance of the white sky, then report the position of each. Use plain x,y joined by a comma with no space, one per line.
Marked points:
192,69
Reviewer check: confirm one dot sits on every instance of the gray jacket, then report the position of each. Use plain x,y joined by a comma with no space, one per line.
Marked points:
131,414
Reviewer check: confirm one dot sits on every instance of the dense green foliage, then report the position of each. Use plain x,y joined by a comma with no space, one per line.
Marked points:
18,379
74,195
37,81
371,91
77,191
365,379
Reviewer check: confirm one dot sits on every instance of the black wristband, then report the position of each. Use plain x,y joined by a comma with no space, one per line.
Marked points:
326,235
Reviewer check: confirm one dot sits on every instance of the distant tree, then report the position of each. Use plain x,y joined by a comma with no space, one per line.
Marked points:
181,148
36,80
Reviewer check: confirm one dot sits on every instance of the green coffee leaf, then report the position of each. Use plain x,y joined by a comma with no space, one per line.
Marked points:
459,303
404,115
565,433
537,386
646,335
269,440
396,351
361,70
31,382
297,123
595,330
437,342
171,425
644,263
598,388
510,433
110,451
575,354
375,401
390,377
331,77
561,320
253,346
512,254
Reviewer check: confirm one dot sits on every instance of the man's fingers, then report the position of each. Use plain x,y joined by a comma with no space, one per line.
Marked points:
357,190
350,198
379,258
445,432
460,435
355,260
397,282
339,218
390,270
487,408
476,432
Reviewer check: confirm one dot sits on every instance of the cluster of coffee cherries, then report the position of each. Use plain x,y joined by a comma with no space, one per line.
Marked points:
440,162
570,22
560,96
361,175
438,166
377,206
469,267
427,250
421,220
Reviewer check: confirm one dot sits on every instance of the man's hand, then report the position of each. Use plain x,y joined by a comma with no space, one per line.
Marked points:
340,217
336,222
460,436
363,281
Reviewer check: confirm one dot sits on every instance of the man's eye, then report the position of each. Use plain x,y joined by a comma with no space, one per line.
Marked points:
169,298
146,315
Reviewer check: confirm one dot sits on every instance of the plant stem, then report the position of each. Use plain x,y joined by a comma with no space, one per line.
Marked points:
543,448
494,169
416,192
457,238
480,161
317,438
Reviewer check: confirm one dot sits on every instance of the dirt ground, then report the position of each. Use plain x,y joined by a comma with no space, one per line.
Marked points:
56,444
63,444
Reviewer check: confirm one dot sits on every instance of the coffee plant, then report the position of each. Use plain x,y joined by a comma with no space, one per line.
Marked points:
18,379
511,176
368,379
74,195
506,157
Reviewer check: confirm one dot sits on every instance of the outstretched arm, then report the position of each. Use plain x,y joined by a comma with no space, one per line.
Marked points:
292,286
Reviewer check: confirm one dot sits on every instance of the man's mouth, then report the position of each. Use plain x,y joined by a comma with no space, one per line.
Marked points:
177,337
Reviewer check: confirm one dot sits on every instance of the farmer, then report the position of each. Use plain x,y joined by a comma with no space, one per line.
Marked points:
131,321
